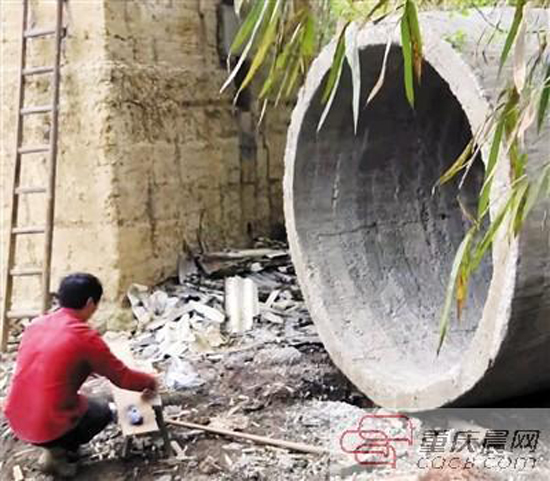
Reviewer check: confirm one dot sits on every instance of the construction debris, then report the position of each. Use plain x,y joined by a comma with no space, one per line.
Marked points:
241,303
204,313
182,375
242,262
236,381
17,473
179,451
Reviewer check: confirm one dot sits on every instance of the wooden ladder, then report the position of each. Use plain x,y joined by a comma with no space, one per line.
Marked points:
48,189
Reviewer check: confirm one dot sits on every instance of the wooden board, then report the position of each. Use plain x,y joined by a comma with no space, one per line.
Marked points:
124,399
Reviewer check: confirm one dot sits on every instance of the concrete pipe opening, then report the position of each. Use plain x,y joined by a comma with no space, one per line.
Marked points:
373,244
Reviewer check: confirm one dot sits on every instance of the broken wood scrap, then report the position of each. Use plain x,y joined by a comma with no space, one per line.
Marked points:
241,303
281,443
244,254
272,297
210,313
179,452
125,399
231,263
17,473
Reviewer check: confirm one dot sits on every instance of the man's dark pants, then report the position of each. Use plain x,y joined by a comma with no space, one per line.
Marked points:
95,419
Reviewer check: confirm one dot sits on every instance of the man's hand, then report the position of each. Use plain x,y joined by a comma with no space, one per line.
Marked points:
151,392
148,394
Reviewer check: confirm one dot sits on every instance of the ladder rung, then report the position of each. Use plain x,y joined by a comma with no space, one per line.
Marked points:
36,110
28,230
23,314
34,150
30,190
38,33
37,70
26,272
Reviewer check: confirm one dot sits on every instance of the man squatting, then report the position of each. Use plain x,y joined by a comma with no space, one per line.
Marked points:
58,352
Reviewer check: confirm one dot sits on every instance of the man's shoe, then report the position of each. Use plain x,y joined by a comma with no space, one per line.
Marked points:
55,461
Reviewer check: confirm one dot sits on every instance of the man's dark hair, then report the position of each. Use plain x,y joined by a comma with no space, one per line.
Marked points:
75,290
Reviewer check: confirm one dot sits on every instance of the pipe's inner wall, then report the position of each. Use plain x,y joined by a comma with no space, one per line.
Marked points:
368,224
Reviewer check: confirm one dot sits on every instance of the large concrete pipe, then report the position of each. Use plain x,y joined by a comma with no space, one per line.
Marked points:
373,245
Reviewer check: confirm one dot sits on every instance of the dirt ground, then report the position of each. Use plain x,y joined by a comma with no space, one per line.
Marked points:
282,391
258,390
276,380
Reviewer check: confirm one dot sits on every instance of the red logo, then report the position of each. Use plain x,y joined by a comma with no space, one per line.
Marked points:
372,445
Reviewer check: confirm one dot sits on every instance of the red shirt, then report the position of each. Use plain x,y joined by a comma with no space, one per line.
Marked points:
57,353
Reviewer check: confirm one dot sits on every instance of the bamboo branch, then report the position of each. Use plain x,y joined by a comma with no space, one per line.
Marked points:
280,443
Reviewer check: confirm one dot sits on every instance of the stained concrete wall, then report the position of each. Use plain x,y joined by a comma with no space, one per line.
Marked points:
187,164
151,155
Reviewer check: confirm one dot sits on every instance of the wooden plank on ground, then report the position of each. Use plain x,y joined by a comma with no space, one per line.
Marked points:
124,399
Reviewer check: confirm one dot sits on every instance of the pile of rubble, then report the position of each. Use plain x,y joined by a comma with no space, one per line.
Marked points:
220,302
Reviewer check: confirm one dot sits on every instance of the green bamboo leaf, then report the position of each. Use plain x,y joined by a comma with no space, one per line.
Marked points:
518,161
465,212
352,57
458,164
537,191
381,77
511,113
489,236
461,292
334,90
281,63
288,68
516,210
416,38
262,111
248,26
452,286
377,7
268,83
282,86
518,16
302,55
407,57
519,60
308,37
544,98
336,67
266,43
490,169
238,5
293,77
527,118
256,27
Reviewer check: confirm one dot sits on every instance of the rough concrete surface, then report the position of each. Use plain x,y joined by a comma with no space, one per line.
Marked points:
374,255
151,156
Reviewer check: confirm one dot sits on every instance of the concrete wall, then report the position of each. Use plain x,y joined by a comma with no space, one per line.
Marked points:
187,164
151,156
